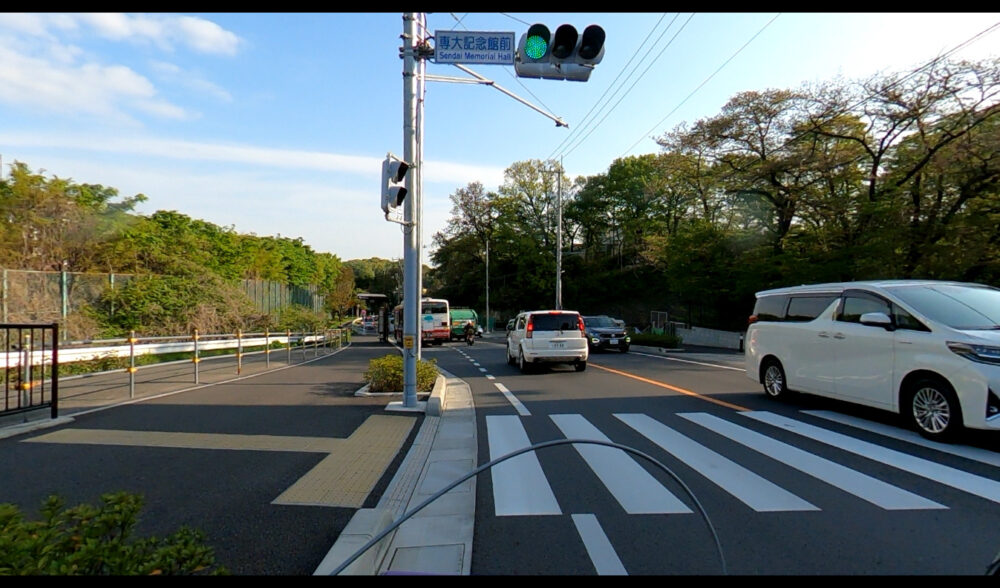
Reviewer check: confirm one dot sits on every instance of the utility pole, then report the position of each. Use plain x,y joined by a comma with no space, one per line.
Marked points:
488,283
559,237
411,216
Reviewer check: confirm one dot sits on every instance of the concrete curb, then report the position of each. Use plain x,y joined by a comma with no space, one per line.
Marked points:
438,538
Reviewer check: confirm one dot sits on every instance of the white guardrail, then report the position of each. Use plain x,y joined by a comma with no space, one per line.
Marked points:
72,353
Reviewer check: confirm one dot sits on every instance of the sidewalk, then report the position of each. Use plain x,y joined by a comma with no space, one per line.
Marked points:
436,539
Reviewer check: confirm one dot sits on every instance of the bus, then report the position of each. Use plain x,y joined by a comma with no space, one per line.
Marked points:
435,319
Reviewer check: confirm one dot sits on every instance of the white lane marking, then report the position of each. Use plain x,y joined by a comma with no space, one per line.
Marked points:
715,365
489,377
973,453
599,548
475,363
861,485
520,408
982,487
635,489
519,485
482,369
751,489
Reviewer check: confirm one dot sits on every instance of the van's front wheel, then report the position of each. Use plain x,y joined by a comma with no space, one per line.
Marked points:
933,409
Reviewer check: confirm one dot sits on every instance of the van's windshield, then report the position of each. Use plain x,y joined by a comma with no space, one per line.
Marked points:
959,307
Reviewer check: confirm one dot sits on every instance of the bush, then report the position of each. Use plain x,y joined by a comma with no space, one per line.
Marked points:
650,340
385,374
89,541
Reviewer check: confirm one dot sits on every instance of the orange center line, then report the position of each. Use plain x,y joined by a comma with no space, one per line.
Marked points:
669,387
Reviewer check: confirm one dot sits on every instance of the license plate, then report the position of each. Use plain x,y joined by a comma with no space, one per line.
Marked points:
614,341
559,345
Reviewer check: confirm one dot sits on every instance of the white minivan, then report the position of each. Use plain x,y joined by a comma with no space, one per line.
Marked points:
928,350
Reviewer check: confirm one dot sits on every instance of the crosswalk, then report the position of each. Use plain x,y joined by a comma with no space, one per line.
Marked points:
521,488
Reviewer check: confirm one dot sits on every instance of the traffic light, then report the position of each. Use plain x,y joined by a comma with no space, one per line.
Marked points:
565,55
393,172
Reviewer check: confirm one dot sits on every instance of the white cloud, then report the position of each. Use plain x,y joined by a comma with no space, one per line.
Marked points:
173,74
163,30
206,36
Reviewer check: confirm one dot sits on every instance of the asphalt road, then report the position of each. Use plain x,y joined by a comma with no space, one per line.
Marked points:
230,459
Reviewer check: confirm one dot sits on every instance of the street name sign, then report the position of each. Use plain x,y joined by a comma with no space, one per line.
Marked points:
479,47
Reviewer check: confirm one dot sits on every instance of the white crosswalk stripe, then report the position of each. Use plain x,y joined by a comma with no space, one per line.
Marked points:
633,487
983,487
875,491
520,486
751,489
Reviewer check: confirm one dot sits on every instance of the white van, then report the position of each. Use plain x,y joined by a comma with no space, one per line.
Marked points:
547,336
928,350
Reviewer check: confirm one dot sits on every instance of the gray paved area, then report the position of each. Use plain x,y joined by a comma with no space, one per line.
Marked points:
436,539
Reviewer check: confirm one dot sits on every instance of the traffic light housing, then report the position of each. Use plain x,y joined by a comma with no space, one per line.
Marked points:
393,173
564,55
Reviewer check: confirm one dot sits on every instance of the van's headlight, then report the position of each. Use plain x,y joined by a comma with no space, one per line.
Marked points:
980,353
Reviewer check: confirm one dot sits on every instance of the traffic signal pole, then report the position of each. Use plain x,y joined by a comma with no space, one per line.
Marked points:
411,216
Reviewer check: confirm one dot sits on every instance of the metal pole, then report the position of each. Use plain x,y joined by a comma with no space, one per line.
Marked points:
267,350
239,351
196,360
64,292
559,239
288,345
418,156
131,364
411,250
55,370
488,283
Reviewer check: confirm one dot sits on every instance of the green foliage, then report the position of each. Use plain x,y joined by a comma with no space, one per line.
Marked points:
168,305
298,318
385,374
650,340
97,541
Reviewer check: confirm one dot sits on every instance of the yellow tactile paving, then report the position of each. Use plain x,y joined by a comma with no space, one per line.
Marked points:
343,478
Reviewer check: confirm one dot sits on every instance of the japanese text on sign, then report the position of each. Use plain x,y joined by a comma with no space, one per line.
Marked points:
481,47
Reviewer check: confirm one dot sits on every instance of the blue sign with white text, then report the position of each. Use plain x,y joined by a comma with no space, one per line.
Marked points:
482,47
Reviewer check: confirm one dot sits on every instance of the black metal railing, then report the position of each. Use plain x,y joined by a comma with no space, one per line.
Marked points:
31,368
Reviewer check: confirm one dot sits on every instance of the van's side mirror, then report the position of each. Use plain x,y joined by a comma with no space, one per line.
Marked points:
877,319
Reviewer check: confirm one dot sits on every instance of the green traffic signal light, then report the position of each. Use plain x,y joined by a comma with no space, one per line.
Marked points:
535,46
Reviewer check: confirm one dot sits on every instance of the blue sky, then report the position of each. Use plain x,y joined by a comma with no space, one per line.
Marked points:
277,123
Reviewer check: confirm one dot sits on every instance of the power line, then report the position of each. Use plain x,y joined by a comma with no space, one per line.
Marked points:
724,64
458,22
630,87
583,121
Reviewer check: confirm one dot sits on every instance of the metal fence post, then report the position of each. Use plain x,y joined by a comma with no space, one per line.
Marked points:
288,345
55,370
239,351
131,364
267,350
315,344
195,360
25,370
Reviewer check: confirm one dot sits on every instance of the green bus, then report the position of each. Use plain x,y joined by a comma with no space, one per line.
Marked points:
460,316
